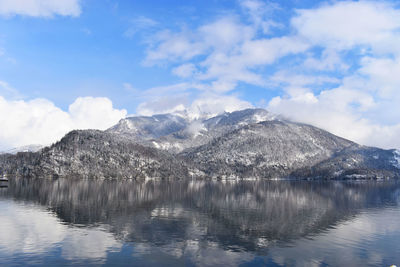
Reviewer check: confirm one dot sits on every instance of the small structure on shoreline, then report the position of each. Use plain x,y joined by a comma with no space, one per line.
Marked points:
3,178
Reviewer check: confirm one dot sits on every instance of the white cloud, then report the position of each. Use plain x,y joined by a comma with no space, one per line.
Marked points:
347,24
224,52
330,60
39,121
8,91
340,112
174,89
266,51
139,23
357,39
259,13
40,8
129,87
293,79
86,31
173,47
207,105
212,105
94,113
184,70
171,104
364,108
225,33
239,66
383,74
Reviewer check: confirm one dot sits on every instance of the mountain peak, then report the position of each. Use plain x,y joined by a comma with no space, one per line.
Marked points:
175,133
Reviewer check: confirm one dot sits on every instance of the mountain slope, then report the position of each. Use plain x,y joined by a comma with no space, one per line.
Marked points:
201,132
144,128
355,163
175,133
266,149
95,154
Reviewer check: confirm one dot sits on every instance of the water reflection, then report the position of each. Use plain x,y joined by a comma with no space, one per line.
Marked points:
29,232
202,223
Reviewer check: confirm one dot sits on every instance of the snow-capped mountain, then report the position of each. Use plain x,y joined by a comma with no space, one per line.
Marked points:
28,148
145,128
175,133
250,143
266,149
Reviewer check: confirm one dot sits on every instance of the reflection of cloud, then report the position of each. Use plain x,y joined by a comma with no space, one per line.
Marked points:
366,240
88,244
28,229
31,229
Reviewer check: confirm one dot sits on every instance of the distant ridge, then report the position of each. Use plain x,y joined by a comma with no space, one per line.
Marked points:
28,148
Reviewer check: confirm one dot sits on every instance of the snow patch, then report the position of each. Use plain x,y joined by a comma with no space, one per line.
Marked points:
155,144
356,176
396,157
261,117
195,128
167,146
129,125
338,173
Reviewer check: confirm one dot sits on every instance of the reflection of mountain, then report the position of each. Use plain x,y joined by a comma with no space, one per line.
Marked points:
242,215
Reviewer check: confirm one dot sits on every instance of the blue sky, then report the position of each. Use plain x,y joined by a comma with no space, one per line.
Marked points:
63,57
70,64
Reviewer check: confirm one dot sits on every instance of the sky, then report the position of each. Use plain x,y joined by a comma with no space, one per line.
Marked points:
79,64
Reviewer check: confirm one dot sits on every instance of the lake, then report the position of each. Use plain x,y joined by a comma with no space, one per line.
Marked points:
67,222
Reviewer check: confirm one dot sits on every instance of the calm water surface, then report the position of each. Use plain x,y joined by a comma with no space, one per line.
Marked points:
197,223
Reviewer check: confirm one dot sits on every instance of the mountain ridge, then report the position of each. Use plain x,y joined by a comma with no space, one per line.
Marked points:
28,148
250,143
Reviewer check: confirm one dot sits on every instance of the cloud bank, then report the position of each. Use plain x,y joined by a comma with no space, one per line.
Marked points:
39,121
208,105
